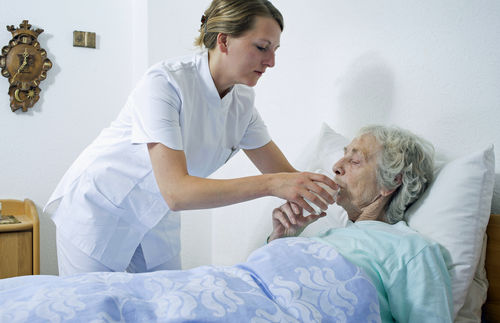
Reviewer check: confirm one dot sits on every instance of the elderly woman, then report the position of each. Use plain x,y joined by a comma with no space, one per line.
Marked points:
383,171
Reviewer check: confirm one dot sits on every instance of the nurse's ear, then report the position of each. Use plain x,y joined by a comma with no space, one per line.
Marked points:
222,40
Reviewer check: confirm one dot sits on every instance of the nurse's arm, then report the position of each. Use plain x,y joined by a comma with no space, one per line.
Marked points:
184,192
269,159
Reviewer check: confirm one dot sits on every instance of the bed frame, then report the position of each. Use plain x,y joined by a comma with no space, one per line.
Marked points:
491,309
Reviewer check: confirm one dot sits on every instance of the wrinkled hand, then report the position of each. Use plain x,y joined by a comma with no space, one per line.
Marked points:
288,221
295,187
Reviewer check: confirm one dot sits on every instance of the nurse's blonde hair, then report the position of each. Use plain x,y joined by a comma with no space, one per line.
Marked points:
405,163
233,17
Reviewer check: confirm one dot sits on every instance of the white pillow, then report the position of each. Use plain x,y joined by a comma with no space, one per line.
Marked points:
476,296
321,153
454,211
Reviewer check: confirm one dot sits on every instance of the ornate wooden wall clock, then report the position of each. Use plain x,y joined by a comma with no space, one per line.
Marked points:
25,64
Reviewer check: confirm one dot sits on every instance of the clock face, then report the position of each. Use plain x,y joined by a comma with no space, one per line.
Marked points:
24,63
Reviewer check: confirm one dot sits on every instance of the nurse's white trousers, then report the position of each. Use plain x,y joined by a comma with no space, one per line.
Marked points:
72,260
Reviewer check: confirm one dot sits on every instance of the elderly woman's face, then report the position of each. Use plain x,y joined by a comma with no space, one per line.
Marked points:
355,173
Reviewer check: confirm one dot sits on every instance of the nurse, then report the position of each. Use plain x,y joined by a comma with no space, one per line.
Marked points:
186,118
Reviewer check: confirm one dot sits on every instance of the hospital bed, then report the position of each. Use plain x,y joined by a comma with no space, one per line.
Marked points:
270,286
292,280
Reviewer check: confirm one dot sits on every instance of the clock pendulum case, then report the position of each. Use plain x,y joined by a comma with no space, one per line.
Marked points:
25,64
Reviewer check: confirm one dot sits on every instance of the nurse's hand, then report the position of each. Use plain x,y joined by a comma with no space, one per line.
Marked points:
295,187
288,221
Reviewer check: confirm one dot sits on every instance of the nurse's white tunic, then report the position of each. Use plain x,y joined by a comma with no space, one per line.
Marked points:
109,199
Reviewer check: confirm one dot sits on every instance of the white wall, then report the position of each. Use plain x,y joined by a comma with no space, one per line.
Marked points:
430,66
83,92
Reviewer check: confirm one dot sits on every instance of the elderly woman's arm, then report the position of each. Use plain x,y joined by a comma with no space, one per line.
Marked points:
288,221
421,290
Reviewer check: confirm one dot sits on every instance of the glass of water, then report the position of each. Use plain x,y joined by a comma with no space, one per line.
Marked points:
317,209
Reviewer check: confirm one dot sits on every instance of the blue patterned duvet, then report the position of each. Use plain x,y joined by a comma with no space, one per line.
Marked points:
289,280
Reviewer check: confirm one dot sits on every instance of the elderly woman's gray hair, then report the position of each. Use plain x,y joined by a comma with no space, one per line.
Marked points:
406,163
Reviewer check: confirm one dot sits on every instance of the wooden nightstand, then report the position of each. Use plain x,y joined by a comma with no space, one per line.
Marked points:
20,242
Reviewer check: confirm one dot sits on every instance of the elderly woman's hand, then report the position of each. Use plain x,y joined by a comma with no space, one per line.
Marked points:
288,221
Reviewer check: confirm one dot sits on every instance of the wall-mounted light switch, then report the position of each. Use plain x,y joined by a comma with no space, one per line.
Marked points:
83,39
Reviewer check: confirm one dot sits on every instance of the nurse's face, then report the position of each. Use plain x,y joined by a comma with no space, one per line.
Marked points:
249,55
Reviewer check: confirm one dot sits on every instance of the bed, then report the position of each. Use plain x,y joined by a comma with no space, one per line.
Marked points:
271,286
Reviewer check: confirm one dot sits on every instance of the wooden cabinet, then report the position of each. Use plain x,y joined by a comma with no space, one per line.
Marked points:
20,242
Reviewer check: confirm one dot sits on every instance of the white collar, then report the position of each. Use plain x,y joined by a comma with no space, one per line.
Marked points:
211,92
